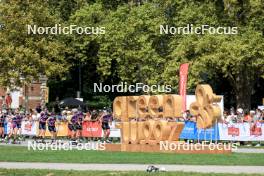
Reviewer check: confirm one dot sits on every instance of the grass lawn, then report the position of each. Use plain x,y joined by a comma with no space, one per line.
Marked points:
27,172
22,154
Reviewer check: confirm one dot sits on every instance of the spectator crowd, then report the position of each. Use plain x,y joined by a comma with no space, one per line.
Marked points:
47,121
75,118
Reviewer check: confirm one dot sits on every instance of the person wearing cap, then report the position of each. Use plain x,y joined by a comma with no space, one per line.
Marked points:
240,115
51,126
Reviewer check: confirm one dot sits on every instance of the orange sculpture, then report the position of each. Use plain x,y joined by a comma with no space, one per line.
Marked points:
148,120
205,107
144,119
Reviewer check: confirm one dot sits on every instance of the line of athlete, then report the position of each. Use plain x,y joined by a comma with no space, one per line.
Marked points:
15,117
75,119
47,121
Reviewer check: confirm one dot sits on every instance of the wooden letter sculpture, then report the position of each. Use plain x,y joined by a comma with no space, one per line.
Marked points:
148,120
144,119
205,107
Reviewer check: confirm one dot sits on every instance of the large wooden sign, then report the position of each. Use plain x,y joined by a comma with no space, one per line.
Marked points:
148,120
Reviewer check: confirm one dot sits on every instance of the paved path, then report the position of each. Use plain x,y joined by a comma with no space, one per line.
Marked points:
249,150
133,167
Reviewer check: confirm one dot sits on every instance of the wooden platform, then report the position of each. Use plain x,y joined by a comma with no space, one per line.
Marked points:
170,148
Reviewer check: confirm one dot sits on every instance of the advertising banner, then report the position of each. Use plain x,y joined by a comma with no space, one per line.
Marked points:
114,132
241,131
29,128
221,131
61,129
92,129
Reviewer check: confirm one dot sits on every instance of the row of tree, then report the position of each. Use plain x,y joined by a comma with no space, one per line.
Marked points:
132,48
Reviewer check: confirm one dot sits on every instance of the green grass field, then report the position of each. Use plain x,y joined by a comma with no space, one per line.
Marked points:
22,154
26,172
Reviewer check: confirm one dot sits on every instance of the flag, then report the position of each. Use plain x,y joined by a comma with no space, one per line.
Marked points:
183,83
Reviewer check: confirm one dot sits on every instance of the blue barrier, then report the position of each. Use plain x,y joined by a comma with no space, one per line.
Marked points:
190,131
208,134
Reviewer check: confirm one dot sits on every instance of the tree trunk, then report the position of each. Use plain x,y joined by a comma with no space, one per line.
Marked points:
243,89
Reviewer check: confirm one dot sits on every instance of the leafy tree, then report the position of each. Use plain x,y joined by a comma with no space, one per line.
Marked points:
66,8
132,48
238,58
28,56
129,47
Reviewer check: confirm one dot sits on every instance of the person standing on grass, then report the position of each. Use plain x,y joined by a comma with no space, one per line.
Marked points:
79,125
51,126
20,118
74,123
106,118
15,125
42,125
2,121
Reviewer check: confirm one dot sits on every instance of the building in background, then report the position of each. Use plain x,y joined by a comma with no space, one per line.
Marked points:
28,96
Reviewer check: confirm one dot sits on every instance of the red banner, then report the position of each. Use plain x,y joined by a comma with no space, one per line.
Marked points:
183,83
233,131
256,130
92,129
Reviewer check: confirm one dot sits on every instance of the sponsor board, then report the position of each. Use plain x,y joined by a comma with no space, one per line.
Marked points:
221,131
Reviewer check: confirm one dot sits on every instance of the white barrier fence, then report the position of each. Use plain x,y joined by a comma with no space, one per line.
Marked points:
225,132
241,132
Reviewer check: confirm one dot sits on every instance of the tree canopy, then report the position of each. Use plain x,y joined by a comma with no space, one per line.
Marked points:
24,55
132,48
